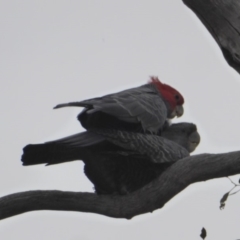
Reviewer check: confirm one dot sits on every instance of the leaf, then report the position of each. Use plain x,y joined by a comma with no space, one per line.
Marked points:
222,206
203,233
223,200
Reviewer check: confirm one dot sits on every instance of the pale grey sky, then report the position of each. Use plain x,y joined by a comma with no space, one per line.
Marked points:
59,51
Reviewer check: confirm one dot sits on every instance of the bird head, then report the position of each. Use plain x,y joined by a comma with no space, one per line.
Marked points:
173,99
185,134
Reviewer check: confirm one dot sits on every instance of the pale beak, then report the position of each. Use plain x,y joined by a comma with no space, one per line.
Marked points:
194,140
177,112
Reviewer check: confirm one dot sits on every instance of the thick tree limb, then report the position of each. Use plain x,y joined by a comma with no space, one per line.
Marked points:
153,196
222,19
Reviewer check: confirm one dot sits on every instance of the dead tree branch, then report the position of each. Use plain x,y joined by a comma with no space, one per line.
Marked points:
153,196
222,19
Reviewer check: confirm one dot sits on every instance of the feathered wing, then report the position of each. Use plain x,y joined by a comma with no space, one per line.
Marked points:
154,148
157,149
143,104
63,150
140,159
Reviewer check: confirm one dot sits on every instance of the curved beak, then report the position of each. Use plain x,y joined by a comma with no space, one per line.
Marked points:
177,112
194,140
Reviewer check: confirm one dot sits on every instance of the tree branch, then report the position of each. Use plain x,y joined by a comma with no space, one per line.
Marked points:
153,196
221,18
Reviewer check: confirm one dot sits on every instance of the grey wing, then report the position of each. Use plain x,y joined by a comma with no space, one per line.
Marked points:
82,139
158,149
143,104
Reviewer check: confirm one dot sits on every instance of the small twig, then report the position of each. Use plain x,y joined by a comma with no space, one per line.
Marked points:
235,184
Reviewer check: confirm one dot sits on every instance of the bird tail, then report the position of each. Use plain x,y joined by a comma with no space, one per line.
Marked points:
68,149
71,104
48,153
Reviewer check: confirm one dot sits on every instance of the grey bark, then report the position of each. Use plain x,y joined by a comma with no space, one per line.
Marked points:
222,19
153,196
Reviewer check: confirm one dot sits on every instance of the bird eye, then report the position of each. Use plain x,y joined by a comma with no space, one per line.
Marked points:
177,97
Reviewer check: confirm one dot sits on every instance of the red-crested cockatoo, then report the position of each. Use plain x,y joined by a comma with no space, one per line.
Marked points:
142,109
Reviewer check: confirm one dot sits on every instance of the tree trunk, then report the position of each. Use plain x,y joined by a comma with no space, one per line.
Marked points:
222,19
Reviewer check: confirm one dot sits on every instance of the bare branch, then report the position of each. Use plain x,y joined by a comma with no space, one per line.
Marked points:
153,196
235,185
221,18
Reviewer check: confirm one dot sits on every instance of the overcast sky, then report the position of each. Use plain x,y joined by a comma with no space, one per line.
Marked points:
59,51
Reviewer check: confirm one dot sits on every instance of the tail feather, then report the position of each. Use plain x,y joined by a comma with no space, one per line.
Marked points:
70,104
49,153
63,150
